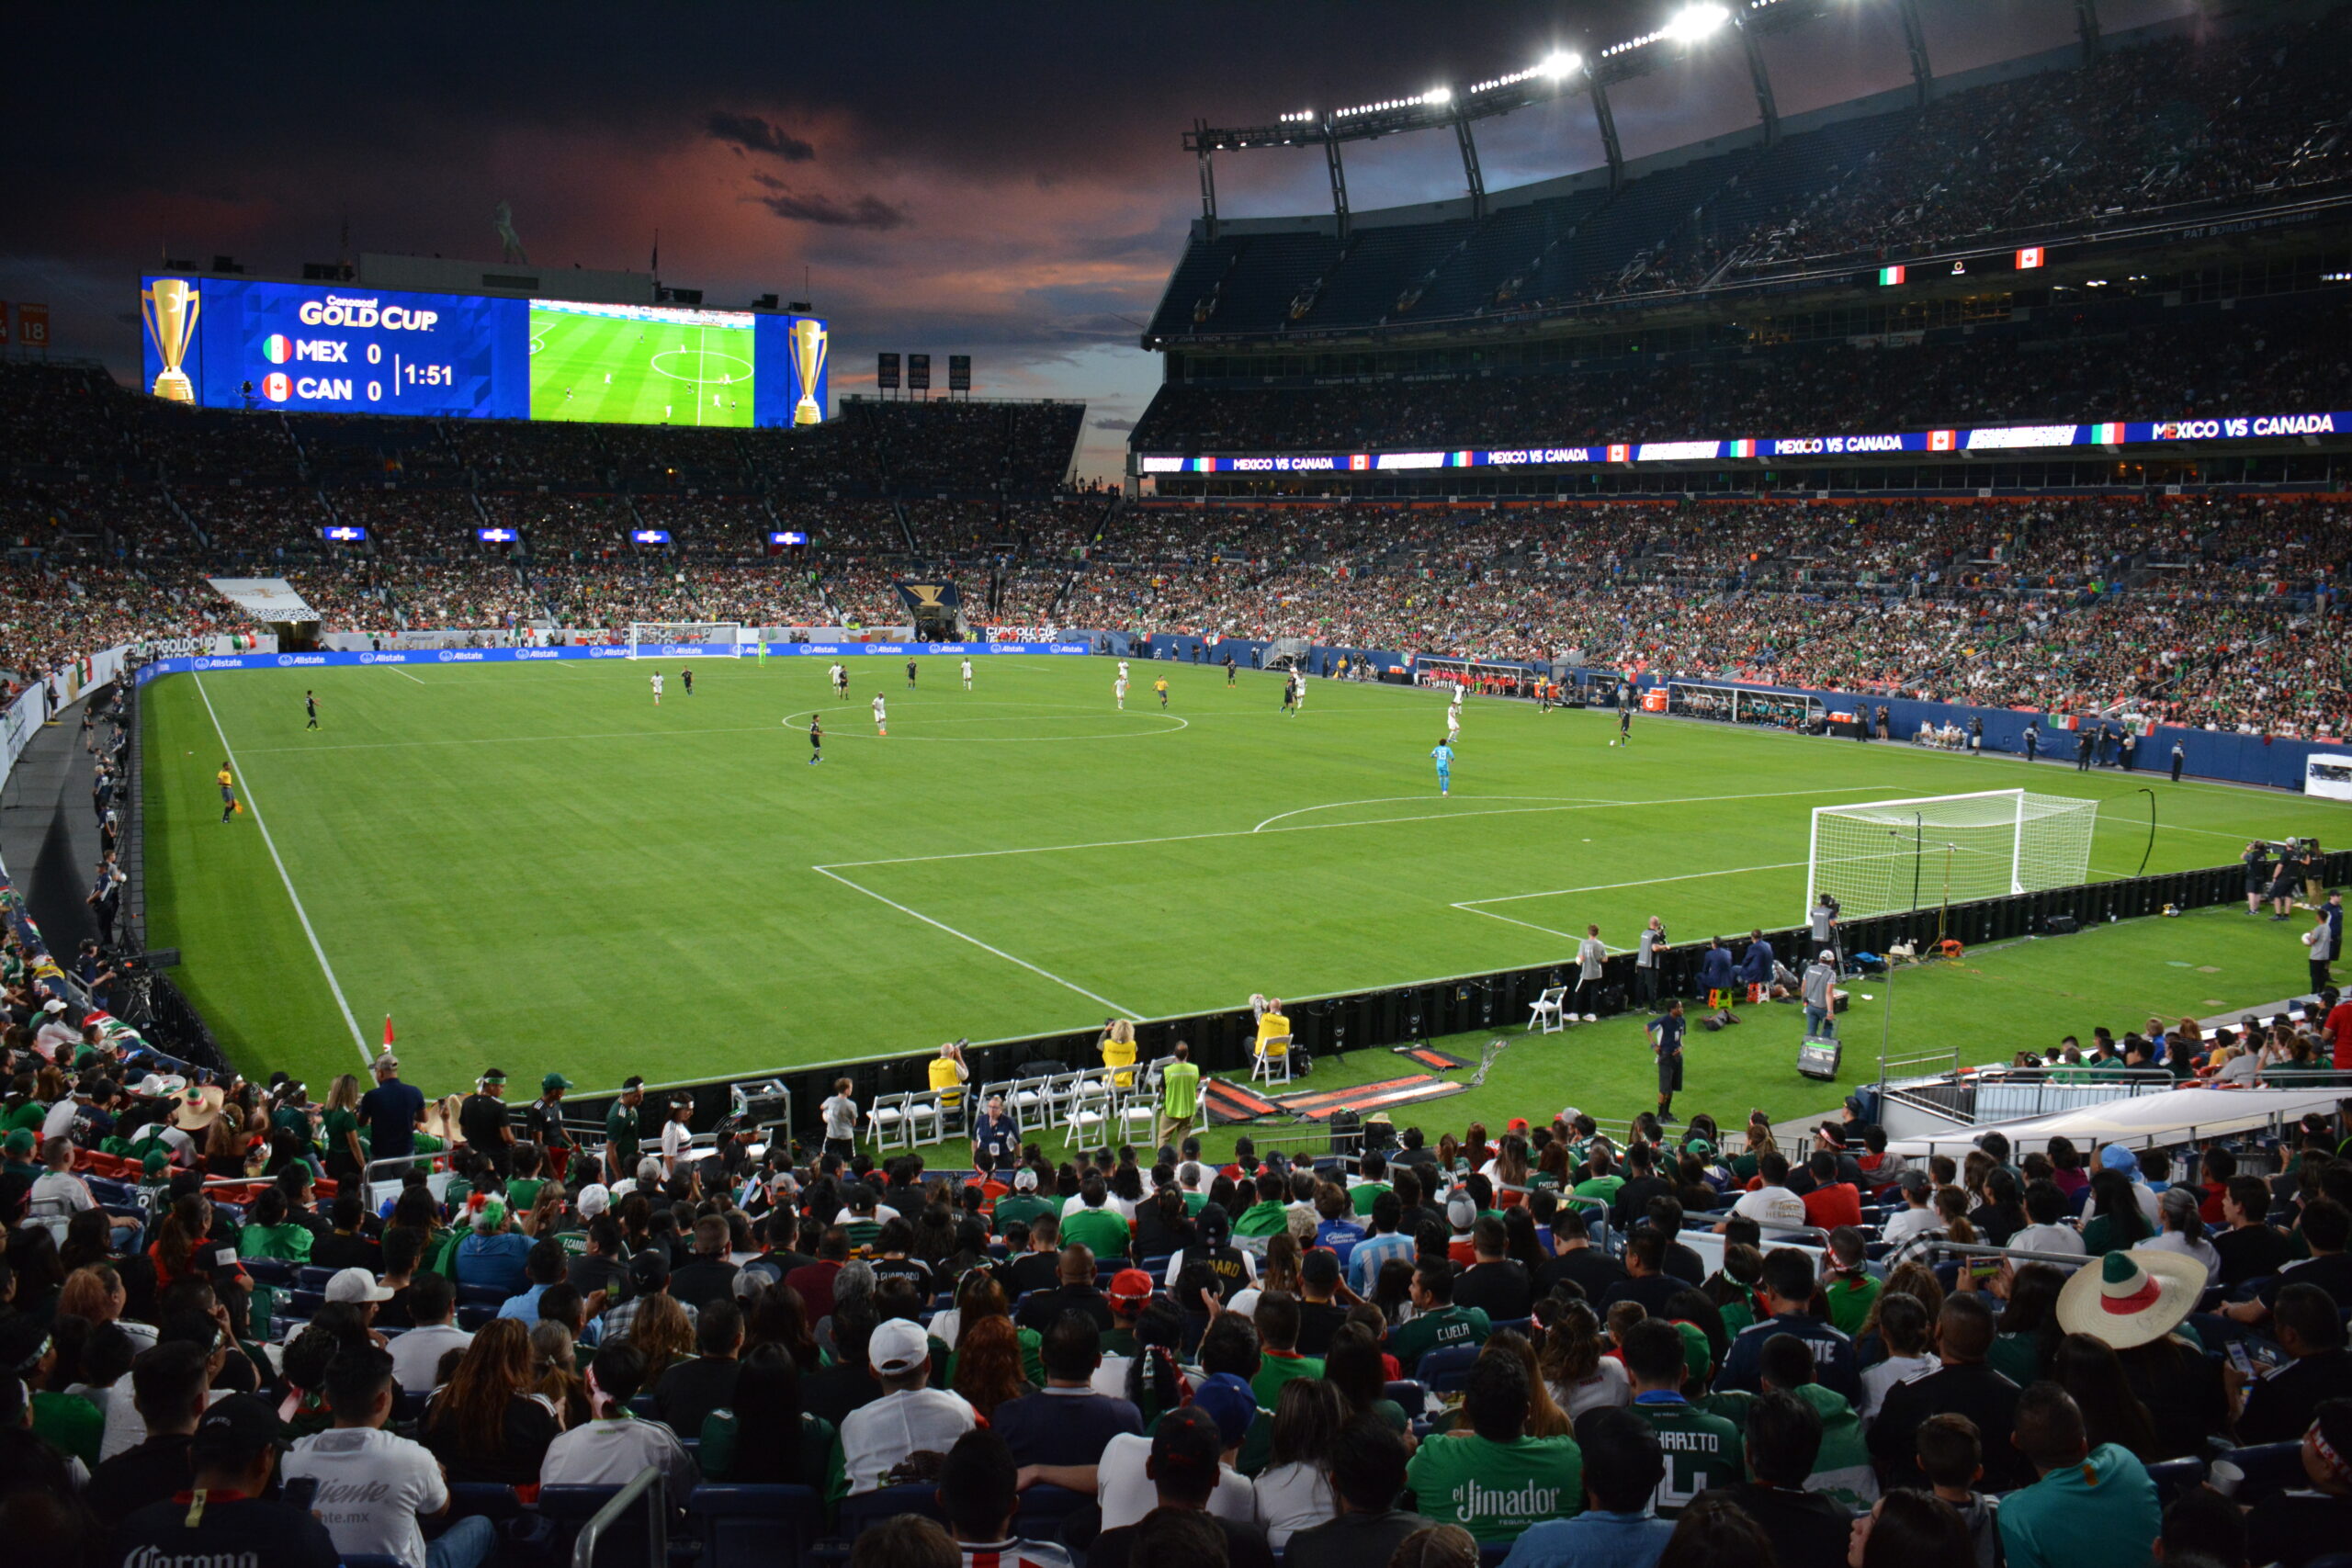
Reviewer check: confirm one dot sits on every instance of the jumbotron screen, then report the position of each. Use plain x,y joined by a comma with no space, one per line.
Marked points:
338,348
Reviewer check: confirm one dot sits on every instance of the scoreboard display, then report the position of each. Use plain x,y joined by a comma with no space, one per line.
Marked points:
340,348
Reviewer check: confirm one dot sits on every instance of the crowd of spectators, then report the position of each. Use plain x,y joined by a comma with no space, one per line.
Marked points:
2223,366
2219,613
1693,1343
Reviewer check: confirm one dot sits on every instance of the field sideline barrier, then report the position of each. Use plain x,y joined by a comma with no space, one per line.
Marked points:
1497,1000
206,664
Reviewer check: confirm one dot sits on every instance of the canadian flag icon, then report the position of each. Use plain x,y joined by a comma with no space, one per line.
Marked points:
1621,452
1940,441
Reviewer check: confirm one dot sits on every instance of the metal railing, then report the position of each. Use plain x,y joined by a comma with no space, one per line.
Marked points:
650,1492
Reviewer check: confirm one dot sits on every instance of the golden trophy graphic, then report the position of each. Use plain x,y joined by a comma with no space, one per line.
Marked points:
808,365
170,307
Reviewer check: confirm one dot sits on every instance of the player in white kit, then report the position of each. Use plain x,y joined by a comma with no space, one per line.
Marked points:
881,718
1122,669
656,691
1453,719
1119,690
841,682
1297,692
968,674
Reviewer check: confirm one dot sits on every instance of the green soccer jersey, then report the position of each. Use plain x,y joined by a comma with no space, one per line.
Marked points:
1497,1490
1443,1329
1702,1449
1101,1231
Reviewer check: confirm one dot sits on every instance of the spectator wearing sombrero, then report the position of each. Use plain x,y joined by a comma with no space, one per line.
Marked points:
2134,1302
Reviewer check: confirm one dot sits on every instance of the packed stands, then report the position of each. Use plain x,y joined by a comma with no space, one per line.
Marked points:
1690,1325
2166,128
2075,370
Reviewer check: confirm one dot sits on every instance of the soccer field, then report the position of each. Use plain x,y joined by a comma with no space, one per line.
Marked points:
532,867
621,370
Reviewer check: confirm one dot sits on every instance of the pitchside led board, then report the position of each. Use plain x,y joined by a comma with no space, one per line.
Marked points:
338,348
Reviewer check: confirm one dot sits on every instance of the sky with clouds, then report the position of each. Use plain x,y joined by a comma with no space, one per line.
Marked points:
1005,180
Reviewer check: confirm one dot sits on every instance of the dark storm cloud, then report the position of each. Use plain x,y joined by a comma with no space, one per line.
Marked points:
754,134
859,212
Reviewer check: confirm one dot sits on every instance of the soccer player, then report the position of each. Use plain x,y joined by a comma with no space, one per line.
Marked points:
1228,670
881,719
1160,685
1286,693
910,674
841,682
1297,691
816,742
968,674
686,678
1453,718
228,783
1625,727
1119,689
310,706
1122,669
657,688
1444,753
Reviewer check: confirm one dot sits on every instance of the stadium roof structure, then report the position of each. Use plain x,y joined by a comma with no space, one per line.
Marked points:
1558,73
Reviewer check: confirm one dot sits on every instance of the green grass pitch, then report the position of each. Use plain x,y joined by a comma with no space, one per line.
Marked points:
613,370
532,867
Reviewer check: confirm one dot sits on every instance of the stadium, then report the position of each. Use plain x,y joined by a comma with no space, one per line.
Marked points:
1752,729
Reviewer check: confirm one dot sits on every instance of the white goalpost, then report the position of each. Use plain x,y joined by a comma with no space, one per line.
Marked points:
1884,856
711,638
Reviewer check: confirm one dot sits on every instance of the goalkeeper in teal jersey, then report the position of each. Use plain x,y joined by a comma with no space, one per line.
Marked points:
1443,753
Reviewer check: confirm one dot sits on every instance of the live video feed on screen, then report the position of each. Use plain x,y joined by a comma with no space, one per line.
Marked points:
342,348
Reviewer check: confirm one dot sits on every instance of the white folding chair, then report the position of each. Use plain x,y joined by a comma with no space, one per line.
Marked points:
1269,1060
1091,1107
927,1117
886,1123
1545,1010
1031,1110
1139,1109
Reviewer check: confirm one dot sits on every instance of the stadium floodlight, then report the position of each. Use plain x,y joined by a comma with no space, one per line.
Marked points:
1561,64
1438,96
1697,21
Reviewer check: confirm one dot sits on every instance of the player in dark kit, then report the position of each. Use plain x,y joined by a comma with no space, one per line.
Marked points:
815,742
1624,727
310,706
1228,670
910,674
687,678
1666,1033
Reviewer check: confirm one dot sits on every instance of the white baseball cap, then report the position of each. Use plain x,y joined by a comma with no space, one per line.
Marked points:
595,1199
897,1348
356,1284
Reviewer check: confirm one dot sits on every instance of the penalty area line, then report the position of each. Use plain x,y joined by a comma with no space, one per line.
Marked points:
300,913
976,941
1472,904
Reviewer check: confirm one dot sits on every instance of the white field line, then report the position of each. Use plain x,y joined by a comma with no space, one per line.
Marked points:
300,913
1614,887
1328,827
976,941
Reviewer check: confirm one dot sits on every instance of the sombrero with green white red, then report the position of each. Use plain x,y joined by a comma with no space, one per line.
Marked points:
2131,1298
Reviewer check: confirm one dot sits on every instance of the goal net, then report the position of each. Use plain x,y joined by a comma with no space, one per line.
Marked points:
709,639
1889,855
